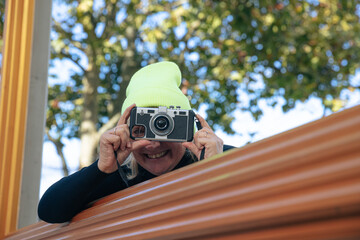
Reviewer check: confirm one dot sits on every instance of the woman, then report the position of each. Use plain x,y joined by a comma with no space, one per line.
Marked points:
152,86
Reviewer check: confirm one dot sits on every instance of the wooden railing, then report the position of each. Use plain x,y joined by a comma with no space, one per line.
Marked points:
300,184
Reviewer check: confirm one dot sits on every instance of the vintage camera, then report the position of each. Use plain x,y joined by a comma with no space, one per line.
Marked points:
162,124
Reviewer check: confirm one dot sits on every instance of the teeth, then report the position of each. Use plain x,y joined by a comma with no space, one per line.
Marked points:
156,155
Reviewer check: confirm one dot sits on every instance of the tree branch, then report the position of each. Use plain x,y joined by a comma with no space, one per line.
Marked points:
59,149
110,19
68,55
111,123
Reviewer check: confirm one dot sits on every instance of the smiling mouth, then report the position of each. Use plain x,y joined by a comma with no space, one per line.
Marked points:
158,155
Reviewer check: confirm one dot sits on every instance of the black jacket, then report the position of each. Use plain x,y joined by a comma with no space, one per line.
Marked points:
72,194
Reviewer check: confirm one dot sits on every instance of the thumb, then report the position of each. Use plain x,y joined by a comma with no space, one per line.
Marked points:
192,147
139,144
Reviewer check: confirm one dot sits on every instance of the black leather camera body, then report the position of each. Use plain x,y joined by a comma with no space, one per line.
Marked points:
162,124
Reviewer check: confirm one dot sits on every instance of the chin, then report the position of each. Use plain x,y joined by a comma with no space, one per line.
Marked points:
158,172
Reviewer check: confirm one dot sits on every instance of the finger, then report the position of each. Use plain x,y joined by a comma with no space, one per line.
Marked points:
116,143
124,117
196,141
125,138
123,133
202,121
111,140
205,133
200,142
139,144
122,155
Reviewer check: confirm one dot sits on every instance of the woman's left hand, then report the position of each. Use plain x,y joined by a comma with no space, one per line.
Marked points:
205,138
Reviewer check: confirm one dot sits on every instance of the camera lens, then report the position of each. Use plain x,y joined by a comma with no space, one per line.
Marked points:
161,123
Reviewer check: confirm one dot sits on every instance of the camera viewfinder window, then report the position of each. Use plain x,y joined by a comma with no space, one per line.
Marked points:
138,131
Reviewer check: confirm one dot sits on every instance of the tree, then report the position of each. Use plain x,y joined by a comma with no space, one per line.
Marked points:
2,20
266,49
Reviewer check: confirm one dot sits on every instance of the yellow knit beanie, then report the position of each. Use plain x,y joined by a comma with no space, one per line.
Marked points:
156,85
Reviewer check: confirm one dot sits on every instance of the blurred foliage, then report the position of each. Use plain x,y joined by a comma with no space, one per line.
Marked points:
2,21
265,49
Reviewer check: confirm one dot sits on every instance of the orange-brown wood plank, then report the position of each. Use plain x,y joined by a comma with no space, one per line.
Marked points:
290,186
15,75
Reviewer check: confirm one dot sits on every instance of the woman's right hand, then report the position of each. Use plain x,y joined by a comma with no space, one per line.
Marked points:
117,139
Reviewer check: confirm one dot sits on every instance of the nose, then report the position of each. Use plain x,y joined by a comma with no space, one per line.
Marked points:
152,145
